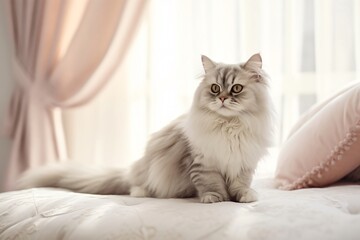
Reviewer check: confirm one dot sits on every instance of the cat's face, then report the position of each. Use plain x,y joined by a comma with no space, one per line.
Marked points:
230,90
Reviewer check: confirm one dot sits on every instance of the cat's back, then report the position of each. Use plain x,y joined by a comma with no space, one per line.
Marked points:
169,134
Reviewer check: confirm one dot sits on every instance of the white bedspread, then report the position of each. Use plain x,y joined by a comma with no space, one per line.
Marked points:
327,213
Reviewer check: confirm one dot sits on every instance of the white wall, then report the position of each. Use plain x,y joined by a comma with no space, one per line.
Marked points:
5,91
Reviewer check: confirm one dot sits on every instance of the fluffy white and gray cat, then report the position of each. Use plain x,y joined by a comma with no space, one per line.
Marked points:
210,152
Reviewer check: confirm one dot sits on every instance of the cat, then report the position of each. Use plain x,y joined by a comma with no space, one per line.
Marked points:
211,152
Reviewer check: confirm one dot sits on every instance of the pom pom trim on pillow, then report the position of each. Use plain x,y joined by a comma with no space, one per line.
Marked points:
332,159
324,145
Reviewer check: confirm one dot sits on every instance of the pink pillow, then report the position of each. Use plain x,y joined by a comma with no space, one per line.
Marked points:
324,145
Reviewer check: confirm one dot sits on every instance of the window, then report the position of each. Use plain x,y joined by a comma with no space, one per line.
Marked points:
310,49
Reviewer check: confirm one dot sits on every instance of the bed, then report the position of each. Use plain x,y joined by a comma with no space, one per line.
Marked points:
314,213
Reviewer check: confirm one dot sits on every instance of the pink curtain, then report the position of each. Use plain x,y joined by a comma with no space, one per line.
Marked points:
64,52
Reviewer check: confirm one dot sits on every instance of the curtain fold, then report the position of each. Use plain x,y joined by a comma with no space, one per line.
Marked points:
64,52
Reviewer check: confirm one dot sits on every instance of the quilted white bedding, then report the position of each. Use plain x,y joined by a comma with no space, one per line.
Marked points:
44,213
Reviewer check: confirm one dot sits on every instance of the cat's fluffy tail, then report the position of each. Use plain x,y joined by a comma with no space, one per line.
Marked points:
77,178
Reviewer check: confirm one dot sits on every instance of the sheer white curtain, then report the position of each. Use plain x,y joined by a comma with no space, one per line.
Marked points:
309,48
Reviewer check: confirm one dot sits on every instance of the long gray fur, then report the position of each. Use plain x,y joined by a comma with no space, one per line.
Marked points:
211,152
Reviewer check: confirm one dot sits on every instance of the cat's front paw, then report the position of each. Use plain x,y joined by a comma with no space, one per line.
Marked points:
247,196
212,197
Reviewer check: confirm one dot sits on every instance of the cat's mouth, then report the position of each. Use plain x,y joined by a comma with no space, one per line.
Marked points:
223,109
225,105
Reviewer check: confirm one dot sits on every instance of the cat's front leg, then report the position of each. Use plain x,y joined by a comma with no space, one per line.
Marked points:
209,183
239,188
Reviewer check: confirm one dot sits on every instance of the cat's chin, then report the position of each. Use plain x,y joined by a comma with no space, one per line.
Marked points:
225,112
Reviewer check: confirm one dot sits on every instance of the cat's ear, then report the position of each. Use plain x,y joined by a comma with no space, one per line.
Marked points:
255,61
253,66
208,64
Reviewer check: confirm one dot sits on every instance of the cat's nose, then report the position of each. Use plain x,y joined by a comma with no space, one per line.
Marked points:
222,99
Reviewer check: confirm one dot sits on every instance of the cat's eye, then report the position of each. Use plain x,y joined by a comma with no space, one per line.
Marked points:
237,88
215,88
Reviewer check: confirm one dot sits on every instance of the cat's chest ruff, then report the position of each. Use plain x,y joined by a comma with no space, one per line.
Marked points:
220,140
227,129
229,146
225,140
